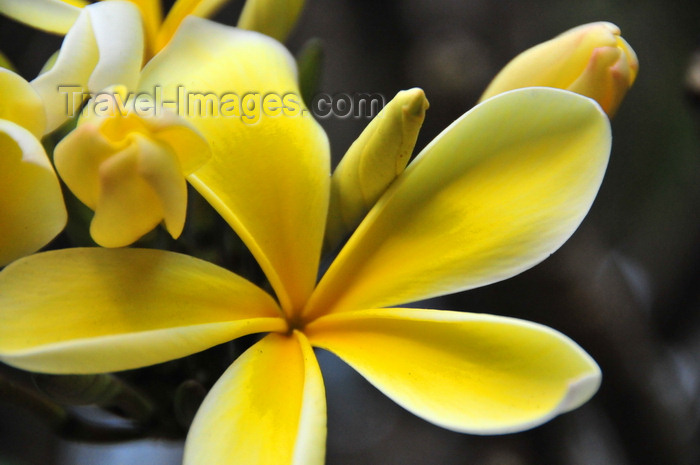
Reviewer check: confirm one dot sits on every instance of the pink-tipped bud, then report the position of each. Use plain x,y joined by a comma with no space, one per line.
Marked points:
591,60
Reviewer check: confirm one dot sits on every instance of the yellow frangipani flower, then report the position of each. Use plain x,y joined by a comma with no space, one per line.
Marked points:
126,152
31,204
108,42
591,60
58,16
117,159
497,192
272,17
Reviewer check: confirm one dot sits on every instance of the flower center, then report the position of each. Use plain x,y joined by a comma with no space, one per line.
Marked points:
295,322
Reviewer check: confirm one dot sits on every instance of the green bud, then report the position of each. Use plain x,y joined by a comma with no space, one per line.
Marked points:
6,63
188,397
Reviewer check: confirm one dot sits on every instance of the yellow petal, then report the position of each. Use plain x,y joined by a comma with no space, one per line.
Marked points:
103,48
152,14
139,187
179,11
50,15
269,173
31,203
275,18
496,193
20,104
159,168
467,372
267,409
610,63
78,157
101,310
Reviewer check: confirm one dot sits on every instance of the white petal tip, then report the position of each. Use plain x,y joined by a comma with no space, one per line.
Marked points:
580,391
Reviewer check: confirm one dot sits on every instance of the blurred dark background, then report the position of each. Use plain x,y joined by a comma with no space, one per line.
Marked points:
625,286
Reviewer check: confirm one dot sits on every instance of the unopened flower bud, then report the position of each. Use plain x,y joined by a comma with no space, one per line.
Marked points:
591,60
127,160
373,161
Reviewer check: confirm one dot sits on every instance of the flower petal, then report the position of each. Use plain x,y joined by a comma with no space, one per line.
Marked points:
496,193
606,79
160,169
190,147
152,14
472,373
104,47
31,203
49,15
78,157
20,103
267,409
269,173
100,310
139,187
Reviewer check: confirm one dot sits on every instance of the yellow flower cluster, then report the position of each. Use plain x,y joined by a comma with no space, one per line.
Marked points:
494,194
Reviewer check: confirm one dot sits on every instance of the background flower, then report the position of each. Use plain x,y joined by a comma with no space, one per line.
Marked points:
31,204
